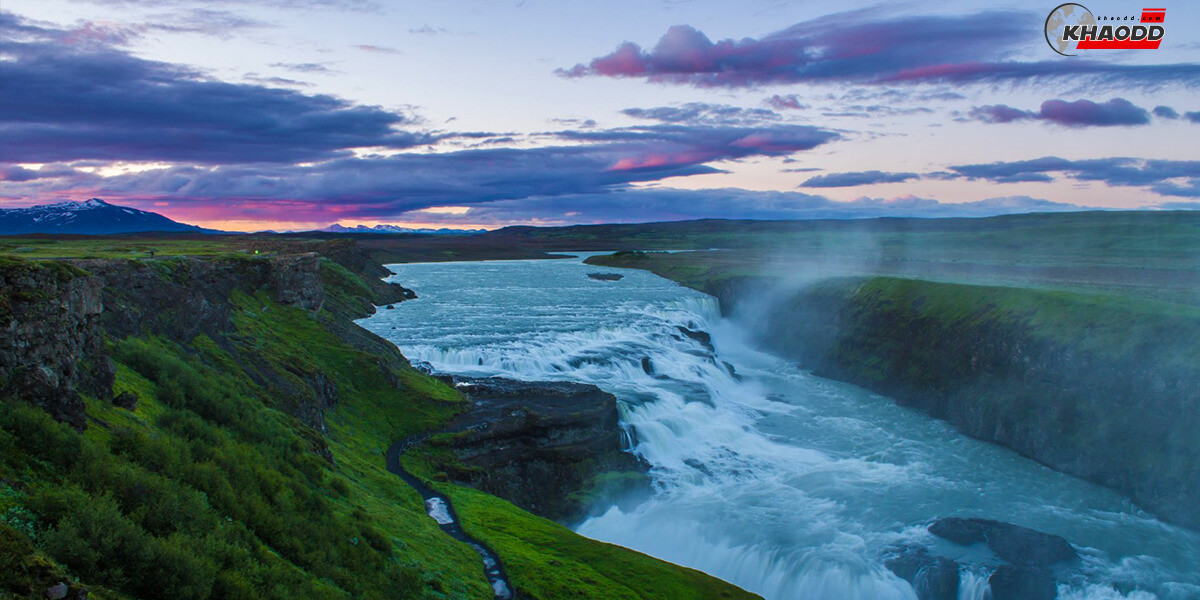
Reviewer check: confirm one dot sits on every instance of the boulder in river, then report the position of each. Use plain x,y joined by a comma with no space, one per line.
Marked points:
1013,543
606,276
932,577
700,336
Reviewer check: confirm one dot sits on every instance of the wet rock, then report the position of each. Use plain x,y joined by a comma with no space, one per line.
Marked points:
700,336
126,399
647,365
606,276
391,307
932,577
545,446
1013,543
732,372
1022,582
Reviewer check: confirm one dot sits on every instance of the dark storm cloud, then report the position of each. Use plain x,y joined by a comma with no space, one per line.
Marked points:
1164,177
868,47
66,99
1080,113
852,179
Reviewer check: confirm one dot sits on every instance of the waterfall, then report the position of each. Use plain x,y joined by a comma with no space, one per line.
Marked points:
783,483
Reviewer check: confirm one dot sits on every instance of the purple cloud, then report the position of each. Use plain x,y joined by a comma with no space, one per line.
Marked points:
852,179
1080,113
864,47
385,186
67,101
788,102
704,113
694,144
1165,112
1163,177
1084,113
1001,113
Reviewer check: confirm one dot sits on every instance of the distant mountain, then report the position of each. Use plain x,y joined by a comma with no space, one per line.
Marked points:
93,217
338,228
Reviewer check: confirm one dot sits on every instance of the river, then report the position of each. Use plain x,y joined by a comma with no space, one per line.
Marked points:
781,482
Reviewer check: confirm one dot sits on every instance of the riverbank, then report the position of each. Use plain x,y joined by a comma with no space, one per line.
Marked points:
1103,387
216,426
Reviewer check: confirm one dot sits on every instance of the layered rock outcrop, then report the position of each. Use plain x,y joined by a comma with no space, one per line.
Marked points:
51,340
552,448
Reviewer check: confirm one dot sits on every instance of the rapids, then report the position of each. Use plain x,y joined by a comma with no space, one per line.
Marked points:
781,482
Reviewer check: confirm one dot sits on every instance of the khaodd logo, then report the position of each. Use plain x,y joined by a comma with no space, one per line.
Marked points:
1071,27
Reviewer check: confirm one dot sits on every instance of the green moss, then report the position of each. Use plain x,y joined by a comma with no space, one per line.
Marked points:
548,561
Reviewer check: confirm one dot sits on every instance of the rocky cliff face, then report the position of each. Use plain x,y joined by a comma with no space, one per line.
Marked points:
552,448
55,316
1122,413
51,341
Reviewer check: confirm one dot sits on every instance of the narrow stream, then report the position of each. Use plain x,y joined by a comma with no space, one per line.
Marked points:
439,508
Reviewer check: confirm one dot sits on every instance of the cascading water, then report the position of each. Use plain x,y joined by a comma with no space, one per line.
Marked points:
781,482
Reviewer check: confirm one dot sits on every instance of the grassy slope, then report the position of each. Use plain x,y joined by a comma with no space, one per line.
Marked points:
547,561
207,490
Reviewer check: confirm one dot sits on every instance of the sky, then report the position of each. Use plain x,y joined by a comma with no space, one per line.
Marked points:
295,114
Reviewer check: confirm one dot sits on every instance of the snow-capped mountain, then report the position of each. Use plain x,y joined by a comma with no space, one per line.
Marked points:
339,228
93,217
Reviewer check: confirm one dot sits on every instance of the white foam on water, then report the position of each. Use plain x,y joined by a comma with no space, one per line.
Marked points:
436,507
780,482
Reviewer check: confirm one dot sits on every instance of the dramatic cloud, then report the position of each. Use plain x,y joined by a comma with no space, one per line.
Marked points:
267,153
865,47
68,101
1080,113
703,113
833,180
385,186
1164,177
